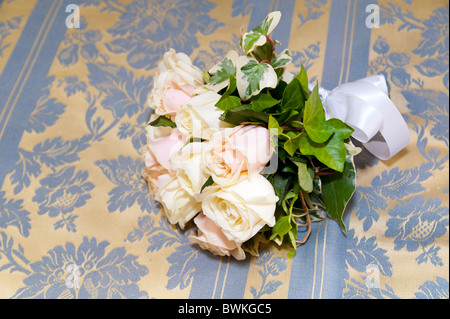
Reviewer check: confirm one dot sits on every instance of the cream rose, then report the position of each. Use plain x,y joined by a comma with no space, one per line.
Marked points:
241,209
175,83
211,237
199,117
235,150
180,64
179,207
187,163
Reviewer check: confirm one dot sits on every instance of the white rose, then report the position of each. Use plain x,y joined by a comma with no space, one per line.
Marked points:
241,209
179,207
211,237
187,163
180,64
199,117
175,83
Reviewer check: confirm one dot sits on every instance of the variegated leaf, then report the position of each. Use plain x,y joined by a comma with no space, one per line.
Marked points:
252,77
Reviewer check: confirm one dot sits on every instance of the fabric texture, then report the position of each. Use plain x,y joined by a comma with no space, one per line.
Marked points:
76,218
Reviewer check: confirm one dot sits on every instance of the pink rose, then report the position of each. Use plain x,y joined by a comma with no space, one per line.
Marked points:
211,237
160,150
173,98
235,150
157,154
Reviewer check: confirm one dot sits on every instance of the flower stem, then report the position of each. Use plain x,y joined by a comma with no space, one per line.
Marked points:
324,173
272,45
272,49
308,221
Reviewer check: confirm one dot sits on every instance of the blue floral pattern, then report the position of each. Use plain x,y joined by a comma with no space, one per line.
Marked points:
125,174
82,42
314,11
81,150
270,267
100,274
5,30
434,289
147,29
62,192
416,223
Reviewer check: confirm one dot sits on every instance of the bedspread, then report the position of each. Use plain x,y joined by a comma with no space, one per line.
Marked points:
76,217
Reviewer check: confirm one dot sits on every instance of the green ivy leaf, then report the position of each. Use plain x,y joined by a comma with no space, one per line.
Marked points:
302,78
318,129
305,177
281,227
262,102
228,101
340,128
337,189
274,126
331,153
296,93
292,144
288,115
242,114
281,184
163,121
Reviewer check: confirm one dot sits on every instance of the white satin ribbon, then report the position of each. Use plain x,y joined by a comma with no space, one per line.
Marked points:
366,107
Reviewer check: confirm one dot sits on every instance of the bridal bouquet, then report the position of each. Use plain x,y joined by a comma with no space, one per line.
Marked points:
245,150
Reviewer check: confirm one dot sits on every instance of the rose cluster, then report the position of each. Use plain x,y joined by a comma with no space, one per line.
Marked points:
203,169
245,149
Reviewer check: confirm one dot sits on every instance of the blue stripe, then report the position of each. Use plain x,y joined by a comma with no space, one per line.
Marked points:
304,265
347,51
361,48
259,12
335,270
335,41
236,279
320,271
206,268
25,74
221,277
348,43
282,32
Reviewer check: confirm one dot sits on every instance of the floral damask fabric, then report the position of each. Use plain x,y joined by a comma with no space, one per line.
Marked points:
76,217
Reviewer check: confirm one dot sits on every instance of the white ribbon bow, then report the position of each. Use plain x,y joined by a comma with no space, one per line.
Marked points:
366,107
